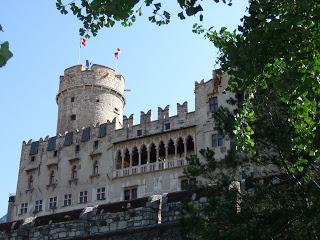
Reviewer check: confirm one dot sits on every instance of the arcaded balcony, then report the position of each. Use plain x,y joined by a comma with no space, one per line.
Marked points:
153,157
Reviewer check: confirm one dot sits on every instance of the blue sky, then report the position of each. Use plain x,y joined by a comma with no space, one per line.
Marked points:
160,65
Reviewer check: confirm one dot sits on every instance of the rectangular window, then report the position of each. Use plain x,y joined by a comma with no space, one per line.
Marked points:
103,130
83,197
85,135
51,144
67,200
213,104
139,132
101,193
53,203
167,126
55,153
38,206
77,148
68,139
72,99
24,208
217,140
96,144
130,194
32,158
34,148
73,117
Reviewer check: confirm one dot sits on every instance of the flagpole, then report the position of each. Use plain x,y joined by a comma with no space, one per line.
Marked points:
79,55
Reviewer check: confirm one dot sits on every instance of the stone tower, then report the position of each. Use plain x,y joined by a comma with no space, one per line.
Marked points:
89,96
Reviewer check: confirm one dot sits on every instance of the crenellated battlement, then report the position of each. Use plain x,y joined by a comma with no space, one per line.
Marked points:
129,129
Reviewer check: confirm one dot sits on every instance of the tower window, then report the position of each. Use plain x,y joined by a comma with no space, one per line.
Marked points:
167,126
33,158
72,99
213,104
73,117
217,140
77,148
139,132
96,144
55,153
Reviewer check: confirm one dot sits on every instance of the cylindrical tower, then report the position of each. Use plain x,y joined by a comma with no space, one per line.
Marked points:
89,96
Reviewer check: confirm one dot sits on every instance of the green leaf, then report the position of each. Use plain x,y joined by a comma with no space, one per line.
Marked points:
5,53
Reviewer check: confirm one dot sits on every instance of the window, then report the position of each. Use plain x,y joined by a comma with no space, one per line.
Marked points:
51,144
38,206
162,151
95,171
30,182
24,208
130,194
97,100
153,153
101,193
171,148
167,126
144,155
119,160
68,139
77,148
83,197
126,158
55,153
103,130
139,132
67,200
74,173
135,157
73,117
72,99
190,144
95,144
33,158
34,148
85,135
180,146
53,203
213,104
217,140
51,178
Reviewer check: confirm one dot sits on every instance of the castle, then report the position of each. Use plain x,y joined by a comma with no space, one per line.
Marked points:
99,156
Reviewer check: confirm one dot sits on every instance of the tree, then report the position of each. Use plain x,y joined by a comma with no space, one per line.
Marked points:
273,62
5,53
97,14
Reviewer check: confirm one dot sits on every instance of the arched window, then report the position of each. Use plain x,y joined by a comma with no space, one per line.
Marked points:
30,182
118,160
126,159
51,178
135,156
74,172
162,151
190,144
144,155
95,168
180,146
171,148
153,153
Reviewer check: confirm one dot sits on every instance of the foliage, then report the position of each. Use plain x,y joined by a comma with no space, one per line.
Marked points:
5,53
273,60
97,14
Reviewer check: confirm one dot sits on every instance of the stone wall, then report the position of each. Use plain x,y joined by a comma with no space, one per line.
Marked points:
156,217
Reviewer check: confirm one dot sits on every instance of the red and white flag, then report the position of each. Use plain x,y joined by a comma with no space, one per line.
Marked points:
83,42
117,53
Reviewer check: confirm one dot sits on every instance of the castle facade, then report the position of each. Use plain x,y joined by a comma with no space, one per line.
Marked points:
99,156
